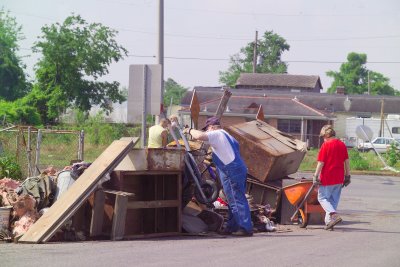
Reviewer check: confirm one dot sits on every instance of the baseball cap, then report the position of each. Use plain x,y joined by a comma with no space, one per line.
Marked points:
211,121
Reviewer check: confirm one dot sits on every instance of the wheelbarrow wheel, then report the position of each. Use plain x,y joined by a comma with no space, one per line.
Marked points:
210,190
303,219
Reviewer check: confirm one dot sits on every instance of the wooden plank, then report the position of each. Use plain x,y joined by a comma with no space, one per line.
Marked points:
260,114
78,193
151,235
222,104
96,224
134,161
121,193
278,135
153,204
195,109
118,224
180,202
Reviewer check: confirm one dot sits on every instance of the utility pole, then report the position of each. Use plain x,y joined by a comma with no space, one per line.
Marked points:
369,89
255,54
381,130
160,54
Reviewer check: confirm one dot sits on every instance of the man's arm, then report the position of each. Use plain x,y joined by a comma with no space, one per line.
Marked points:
318,171
346,167
196,134
164,136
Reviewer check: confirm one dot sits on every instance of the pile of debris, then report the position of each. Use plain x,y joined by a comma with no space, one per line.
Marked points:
271,156
22,203
130,193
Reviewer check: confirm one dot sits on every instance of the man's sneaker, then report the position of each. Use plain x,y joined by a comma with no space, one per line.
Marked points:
243,233
269,226
326,228
335,219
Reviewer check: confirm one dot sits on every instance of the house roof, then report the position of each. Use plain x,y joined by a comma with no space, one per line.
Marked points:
247,101
248,105
269,80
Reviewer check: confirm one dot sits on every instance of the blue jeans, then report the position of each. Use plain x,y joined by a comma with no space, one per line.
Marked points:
233,179
328,197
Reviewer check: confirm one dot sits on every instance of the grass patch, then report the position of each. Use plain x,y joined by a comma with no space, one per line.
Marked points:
359,161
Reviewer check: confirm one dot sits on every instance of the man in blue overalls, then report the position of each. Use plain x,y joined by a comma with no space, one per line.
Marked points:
232,172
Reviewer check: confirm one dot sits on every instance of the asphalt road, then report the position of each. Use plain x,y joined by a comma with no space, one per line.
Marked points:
369,236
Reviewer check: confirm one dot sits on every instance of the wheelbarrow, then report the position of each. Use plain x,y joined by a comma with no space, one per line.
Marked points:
303,195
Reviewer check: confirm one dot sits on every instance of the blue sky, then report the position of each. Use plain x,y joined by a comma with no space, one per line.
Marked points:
200,35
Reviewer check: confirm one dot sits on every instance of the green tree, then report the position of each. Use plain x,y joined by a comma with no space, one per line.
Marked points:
269,49
75,55
18,112
353,75
13,83
173,90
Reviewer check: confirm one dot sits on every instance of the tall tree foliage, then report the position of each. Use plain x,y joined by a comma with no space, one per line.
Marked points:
13,83
269,49
353,75
75,55
174,91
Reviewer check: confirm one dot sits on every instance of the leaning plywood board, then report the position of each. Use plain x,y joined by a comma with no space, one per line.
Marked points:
77,194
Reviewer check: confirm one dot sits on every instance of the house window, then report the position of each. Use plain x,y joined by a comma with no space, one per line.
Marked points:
289,126
396,130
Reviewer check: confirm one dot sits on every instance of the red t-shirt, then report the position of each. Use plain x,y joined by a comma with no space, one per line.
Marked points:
333,153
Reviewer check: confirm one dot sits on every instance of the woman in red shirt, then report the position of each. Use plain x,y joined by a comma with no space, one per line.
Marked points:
332,169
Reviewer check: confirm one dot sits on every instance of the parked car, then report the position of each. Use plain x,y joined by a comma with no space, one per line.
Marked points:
381,144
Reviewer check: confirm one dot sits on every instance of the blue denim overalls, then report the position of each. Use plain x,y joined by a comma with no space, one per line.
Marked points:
233,179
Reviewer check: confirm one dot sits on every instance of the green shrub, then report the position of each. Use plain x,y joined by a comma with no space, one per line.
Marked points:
98,131
357,162
18,112
9,168
393,155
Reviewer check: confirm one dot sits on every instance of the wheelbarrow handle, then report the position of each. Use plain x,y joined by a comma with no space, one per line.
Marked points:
302,202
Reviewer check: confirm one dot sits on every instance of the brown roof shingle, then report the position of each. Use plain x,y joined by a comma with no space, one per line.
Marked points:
320,102
266,80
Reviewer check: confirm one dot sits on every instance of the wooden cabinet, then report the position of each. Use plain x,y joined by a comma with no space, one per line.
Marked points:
139,204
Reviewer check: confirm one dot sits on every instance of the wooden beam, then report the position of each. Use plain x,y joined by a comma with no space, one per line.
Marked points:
222,104
120,193
260,114
195,109
78,193
96,224
118,223
153,204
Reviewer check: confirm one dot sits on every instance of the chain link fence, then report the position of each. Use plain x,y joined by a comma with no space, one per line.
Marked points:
35,149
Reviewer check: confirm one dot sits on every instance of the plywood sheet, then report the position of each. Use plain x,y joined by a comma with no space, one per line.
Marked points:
71,200
134,161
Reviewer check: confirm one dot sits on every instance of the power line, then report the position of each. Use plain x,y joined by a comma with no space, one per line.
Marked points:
346,38
275,14
288,61
250,13
248,39
227,59
232,38
33,15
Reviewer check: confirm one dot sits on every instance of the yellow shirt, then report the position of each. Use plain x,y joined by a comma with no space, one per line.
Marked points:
155,138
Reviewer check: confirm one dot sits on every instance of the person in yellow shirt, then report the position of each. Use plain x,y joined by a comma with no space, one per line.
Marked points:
158,134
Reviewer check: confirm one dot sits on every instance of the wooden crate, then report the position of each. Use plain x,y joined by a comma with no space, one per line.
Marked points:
268,153
263,194
153,206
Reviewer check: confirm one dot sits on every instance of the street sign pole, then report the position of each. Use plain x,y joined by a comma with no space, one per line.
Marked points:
144,106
